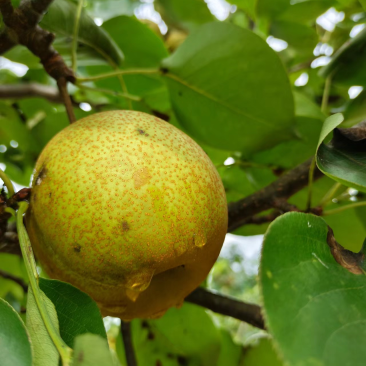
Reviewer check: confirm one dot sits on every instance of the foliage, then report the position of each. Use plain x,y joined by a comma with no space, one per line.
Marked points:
257,113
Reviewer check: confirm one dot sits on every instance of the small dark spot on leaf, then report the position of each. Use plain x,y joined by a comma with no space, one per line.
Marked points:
50,195
77,248
182,361
81,356
158,363
125,226
151,336
144,324
180,93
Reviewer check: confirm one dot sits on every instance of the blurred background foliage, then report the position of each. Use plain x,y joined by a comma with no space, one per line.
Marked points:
260,68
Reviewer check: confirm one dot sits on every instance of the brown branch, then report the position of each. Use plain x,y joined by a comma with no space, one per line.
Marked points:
127,341
5,43
22,28
249,313
62,87
19,281
269,197
35,90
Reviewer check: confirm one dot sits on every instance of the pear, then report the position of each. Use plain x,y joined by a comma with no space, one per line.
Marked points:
129,209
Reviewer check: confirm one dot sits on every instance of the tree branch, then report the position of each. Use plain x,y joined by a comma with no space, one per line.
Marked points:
19,281
62,87
5,43
270,196
128,344
19,91
21,26
249,313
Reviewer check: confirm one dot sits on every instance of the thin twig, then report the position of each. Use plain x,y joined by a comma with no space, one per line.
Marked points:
330,194
19,281
310,184
62,86
117,73
249,313
343,208
128,343
328,83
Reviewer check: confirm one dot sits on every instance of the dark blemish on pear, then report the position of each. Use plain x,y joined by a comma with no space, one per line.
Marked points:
125,226
41,175
142,132
77,248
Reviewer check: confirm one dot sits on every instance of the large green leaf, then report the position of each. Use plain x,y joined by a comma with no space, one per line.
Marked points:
107,9
15,348
355,111
343,159
203,77
301,38
76,311
262,354
92,350
192,332
60,19
347,64
22,55
271,9
44,351
142,47
306,11
314,308
186,336
186,15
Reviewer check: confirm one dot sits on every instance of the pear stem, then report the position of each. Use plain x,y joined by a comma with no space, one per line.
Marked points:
7,182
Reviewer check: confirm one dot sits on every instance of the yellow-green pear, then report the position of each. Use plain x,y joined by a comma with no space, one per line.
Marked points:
129,209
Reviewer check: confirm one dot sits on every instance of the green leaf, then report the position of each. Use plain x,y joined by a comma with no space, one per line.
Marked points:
142,47
299,37
347,64
76,311
107,9
355,111
203,77
230,353
44,350
91,350
22,55
348,226
11,128
306,11
329,125
14,265
314,308
60,19
343,159
192,332
15,348
262,354
186,15
271,9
